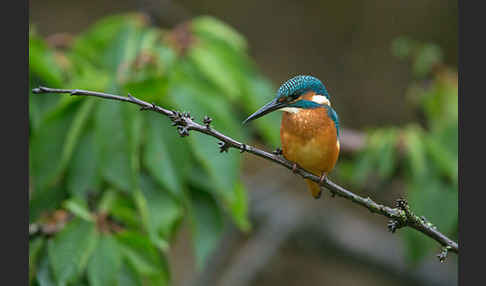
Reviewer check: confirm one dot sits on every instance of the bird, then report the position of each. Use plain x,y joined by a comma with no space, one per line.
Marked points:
309,130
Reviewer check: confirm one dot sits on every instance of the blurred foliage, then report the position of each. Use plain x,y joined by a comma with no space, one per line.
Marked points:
109,184
424,154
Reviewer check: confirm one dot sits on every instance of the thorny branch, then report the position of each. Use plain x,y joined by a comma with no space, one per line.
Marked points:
400,216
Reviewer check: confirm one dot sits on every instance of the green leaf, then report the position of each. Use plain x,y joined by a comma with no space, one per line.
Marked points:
426,57
97,43
45,200
141,254
386,154
45,156
35,249
80,283
440,101
166,156
79,208
448,135
142,207
192,97
39,105
105,264
223,168
223,67
122,52
363,167
161,279
345,171
162,212
35,115
151,88
211,27
446,161
117,136
71,249
106,202
75,130
121,207
42,62
220,65
239,207
367,159
44,276
83,172
416,153
128,276
416,247
207,225
378,158
438,203
147,74
199,178
85,75
48,164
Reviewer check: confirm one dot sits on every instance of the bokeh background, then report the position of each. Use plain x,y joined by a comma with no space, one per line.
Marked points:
389,66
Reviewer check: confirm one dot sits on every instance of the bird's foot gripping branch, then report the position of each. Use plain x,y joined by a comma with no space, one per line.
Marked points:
400,216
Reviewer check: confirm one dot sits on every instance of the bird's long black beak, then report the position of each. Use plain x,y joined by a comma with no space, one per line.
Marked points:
267,108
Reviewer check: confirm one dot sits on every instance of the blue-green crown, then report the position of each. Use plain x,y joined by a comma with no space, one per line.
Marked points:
300,84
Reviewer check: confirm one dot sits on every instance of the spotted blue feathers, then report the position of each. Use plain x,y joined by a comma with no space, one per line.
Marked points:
301,84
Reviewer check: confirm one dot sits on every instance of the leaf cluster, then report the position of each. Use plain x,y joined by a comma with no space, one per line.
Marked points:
110,185
424,154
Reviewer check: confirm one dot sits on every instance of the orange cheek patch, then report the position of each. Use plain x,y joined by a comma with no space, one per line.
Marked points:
308,95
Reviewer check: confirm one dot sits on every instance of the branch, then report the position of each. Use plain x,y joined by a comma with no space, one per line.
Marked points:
400,216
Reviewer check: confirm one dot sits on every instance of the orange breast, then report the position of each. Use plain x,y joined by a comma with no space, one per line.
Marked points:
309,138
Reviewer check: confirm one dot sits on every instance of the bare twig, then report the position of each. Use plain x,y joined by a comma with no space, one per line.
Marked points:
401,216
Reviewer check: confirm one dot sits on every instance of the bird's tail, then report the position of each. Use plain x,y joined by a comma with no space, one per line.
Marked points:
314,188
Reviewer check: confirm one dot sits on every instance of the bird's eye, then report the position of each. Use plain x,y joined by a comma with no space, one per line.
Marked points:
289,98
294,95
286,99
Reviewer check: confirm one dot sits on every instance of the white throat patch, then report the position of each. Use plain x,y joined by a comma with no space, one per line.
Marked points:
290,109
321,99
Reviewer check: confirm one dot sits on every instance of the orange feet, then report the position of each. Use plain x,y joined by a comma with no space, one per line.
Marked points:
322,178
294,168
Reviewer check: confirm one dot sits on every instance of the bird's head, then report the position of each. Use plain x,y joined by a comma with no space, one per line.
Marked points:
302,91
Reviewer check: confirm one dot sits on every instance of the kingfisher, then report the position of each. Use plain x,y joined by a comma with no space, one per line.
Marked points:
309,131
